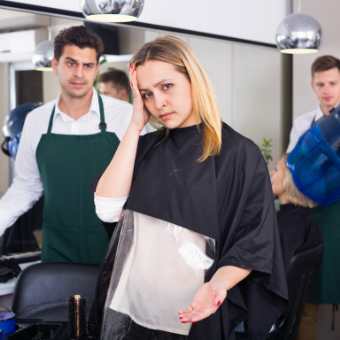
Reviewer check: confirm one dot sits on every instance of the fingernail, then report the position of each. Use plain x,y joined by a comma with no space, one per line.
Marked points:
193,321
181,317
183,321
132,85
218,303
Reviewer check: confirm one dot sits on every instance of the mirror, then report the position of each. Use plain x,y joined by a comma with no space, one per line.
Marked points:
251,84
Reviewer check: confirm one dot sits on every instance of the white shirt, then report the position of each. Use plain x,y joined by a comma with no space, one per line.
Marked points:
27,186
161,274
301,125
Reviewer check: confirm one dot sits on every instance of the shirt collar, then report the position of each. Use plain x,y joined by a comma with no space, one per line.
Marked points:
94,107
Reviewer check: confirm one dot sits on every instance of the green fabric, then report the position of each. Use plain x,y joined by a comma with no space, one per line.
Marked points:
72,231
327,288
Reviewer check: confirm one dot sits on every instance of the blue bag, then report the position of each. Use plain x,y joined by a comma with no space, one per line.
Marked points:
315,161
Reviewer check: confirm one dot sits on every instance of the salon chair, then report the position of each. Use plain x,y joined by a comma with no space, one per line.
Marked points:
301,278
42,289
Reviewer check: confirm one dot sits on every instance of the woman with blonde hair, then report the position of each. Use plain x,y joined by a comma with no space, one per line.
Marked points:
298,232
196,249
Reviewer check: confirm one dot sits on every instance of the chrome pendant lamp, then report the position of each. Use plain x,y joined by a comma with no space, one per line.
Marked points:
112,10
299,33
44,53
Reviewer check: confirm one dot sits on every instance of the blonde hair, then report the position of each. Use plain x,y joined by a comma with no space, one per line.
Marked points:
176,52
293,195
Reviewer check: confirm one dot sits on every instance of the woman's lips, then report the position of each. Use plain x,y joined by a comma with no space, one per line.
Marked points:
166,115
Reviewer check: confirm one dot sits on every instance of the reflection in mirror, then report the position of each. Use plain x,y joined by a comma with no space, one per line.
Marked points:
248,81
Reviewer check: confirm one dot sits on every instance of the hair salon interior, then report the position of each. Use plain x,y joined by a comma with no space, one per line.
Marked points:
261,59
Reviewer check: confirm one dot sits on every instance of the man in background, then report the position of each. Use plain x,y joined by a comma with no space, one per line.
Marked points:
116,84
326,85
64,145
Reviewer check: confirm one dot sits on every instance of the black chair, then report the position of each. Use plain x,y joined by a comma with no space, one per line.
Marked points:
42,289
301,278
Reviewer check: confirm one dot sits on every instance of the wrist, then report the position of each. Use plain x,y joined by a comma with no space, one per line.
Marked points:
133,129
224,281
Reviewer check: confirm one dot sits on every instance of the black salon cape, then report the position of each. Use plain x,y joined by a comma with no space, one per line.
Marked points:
227,198
298,231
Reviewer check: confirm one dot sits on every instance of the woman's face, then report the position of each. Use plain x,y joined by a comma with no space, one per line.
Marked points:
277,178
166,94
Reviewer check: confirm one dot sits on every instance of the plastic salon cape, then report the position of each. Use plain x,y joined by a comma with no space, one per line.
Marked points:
216,213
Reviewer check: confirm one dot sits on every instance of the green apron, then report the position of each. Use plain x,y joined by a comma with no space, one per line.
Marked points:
72,232
327,287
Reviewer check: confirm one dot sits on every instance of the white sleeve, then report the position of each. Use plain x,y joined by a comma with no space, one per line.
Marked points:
27,187
293,138
109,209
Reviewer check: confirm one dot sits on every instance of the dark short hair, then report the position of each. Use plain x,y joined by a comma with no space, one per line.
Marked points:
325,63
119,79
79,36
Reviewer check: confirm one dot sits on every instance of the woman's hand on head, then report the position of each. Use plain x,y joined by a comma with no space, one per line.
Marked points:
206,301
140,114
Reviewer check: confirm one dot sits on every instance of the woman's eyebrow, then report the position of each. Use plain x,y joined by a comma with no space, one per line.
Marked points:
162,81
157,84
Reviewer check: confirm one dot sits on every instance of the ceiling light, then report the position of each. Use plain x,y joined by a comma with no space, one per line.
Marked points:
44,53
112,10
299,33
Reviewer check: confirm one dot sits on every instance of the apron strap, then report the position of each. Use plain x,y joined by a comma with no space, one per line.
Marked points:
313,120
51,121
102,125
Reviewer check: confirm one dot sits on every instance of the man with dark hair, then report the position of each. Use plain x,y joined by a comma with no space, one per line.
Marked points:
64,145
79,36
326,85
115,84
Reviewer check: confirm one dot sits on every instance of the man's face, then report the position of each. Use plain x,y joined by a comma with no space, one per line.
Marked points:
107,89
77,69
326,85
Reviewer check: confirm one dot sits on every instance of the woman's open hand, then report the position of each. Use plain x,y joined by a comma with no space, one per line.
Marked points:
140,115
206,301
